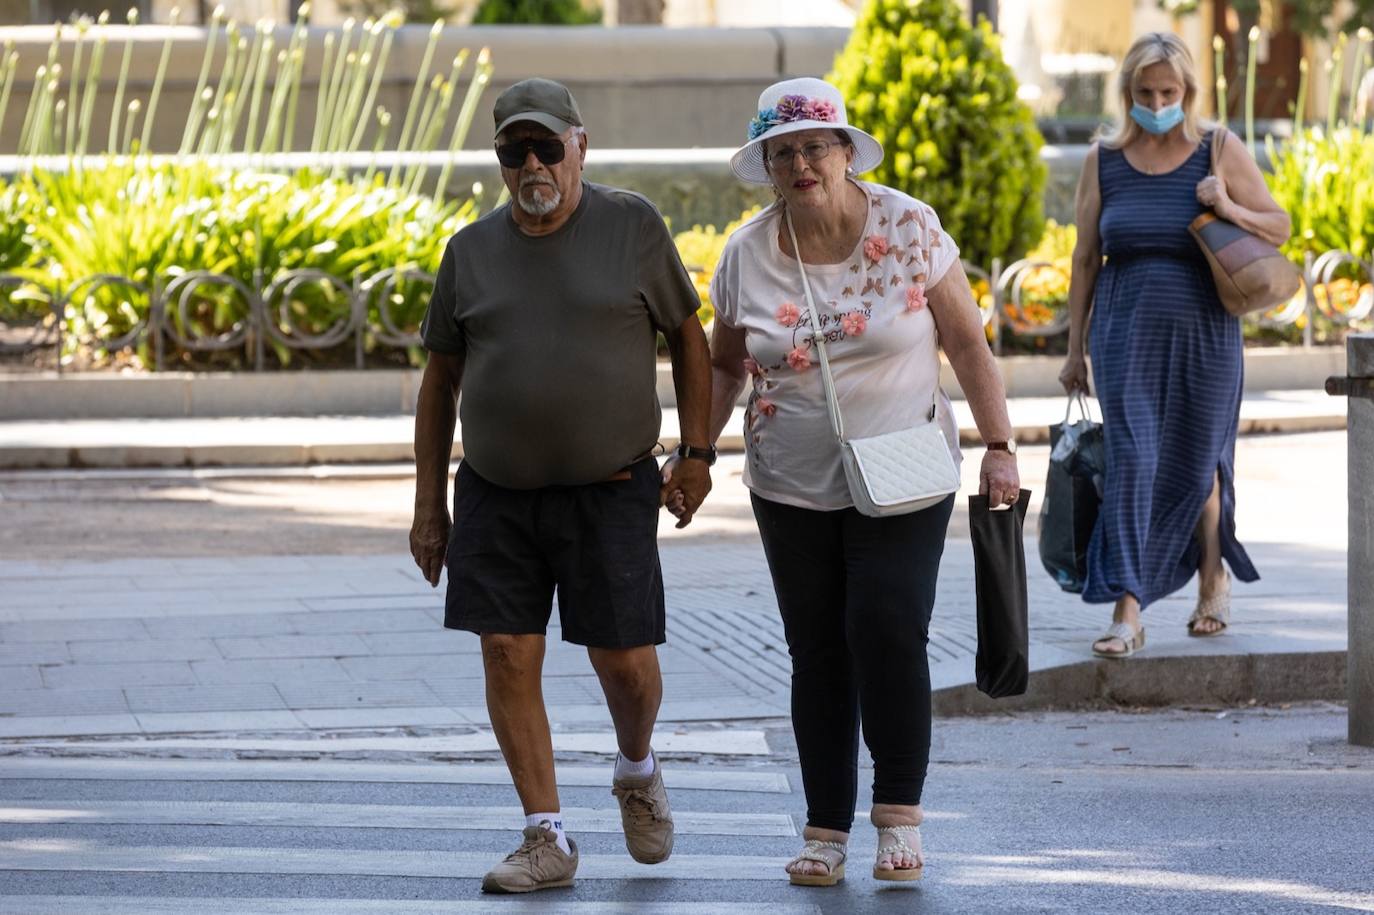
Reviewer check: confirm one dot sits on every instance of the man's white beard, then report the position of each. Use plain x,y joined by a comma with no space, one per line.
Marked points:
535,203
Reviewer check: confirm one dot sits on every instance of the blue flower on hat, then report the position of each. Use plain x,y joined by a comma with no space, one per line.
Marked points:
763,122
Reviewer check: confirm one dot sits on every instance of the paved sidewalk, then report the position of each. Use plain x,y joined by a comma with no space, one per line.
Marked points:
325,439
282,643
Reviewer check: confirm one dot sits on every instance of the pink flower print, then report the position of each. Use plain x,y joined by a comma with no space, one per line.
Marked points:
875,246
752,367
788,314
853,323
915,297
766,407
800,358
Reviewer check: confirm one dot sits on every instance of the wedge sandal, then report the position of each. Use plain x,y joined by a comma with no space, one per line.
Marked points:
831,854
896,845
1132,638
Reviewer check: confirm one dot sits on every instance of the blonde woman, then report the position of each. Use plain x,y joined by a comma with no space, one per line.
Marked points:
1166,357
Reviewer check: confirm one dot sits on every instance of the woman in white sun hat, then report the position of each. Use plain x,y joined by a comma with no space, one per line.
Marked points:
855,592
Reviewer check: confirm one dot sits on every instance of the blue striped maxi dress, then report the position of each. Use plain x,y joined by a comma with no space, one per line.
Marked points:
1166,362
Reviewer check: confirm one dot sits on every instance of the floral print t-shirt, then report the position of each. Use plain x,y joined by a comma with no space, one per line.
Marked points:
879,334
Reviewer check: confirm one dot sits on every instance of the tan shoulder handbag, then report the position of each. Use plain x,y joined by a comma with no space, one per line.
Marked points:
1251,275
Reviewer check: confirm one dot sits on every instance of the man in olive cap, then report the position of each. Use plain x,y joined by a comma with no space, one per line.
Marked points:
545,312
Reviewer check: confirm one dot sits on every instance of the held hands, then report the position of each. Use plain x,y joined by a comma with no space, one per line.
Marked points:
685,485
1211,192
998,479
429,542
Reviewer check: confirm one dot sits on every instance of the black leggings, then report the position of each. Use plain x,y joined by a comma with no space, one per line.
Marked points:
856,595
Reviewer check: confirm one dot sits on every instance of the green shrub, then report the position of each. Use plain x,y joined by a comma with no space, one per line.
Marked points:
937,94
534,12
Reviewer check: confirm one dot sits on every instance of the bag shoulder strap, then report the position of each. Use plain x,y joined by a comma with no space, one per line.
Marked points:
1218,141
817,335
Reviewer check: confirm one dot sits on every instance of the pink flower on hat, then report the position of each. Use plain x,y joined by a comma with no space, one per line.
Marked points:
875,246
821,110
800,358
915,297
766,407
854,323
788,314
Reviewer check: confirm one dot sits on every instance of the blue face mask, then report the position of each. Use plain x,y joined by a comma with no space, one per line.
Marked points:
1161,121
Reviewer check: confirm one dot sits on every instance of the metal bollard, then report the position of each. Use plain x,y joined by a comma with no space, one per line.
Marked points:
1358,386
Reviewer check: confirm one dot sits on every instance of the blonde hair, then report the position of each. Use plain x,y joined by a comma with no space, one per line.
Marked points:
1150,49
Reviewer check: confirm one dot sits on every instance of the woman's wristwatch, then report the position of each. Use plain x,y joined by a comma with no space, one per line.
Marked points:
707,454
1009,446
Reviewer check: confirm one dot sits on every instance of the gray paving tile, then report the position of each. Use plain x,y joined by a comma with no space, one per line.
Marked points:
69,726
20,677
358,694
47,585
221,625
32,653
236,698
176,723
432,641
139,673
408,601
411,667
358,621
236,580
144,650
379,717
55,702
268,670
460,691
292,646
61,630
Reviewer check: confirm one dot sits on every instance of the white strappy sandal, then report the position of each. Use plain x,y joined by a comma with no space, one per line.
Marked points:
1132,638
1216,608
896,846
831,854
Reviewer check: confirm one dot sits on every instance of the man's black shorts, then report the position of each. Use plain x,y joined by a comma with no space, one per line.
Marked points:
596,545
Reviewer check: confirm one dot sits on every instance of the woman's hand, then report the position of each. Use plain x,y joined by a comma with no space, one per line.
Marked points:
1074,375
1211,192
998,479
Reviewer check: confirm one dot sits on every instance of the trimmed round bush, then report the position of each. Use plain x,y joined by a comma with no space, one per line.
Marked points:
938,95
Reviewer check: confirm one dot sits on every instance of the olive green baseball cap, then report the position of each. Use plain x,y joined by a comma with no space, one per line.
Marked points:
542,101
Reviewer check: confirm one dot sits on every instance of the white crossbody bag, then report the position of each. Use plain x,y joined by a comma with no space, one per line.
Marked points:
893,473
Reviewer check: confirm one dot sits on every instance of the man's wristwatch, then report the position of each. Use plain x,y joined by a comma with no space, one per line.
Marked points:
707,454
1009,446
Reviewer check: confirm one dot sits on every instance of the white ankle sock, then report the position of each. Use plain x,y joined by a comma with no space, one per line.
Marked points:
555,821
628,768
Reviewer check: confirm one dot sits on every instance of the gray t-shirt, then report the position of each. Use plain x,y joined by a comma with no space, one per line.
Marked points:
558,338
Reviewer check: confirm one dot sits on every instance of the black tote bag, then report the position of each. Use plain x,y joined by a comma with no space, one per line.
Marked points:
999,572
1073,492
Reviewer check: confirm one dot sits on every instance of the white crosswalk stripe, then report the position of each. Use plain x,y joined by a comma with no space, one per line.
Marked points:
105,836
370,816
199,770
148,905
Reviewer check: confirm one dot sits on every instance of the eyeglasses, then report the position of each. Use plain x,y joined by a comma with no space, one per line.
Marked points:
549,151
783,156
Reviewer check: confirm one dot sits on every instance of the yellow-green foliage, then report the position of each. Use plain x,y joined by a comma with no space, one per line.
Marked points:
700,249
937,94
1326,183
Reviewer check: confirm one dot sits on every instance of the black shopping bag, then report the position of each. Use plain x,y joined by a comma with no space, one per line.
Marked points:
1073,493
999,573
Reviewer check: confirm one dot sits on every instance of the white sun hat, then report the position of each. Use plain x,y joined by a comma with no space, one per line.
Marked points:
800,104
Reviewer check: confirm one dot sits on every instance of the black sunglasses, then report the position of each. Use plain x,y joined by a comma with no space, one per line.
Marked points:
549,151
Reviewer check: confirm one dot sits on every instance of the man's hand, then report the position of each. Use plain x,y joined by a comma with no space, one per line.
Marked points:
686,481
429,542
